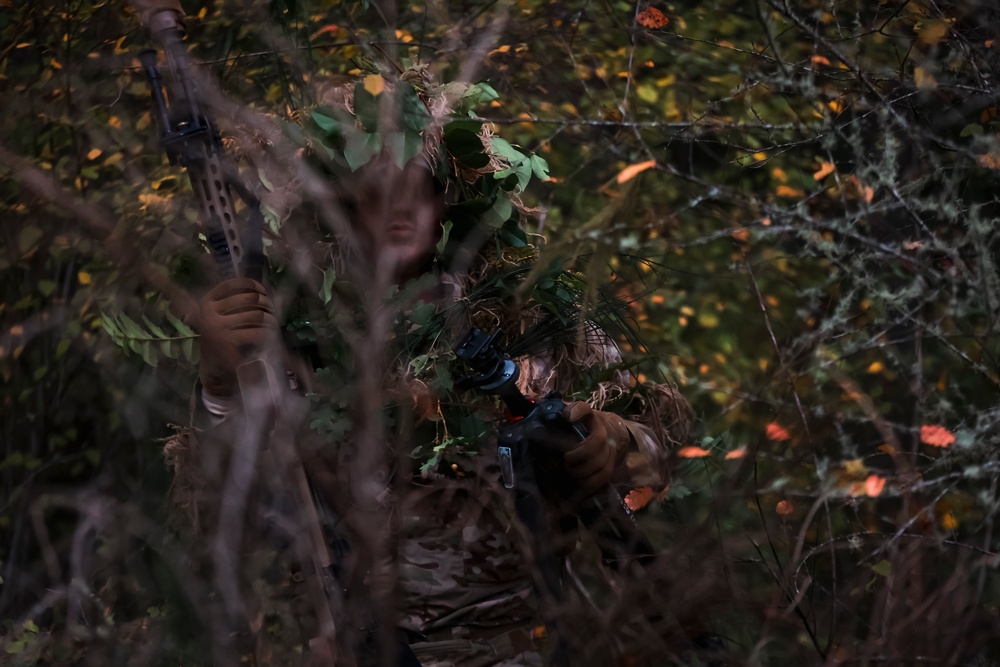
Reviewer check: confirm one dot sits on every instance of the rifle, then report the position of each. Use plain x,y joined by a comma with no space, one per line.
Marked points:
192,141
620,539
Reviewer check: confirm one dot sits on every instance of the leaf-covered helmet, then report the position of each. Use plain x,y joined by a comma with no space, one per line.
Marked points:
408,119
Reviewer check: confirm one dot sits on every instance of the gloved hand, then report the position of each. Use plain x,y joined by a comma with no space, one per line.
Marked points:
235,320
592,461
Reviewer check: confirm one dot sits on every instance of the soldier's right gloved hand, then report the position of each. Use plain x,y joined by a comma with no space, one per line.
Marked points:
590,462
236,320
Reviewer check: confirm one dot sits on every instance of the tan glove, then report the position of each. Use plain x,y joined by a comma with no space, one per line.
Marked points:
592,461
236,320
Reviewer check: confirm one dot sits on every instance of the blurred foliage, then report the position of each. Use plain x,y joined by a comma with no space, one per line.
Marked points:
810,255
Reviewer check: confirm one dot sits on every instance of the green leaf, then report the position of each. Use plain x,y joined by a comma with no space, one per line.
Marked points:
182,328
326,290
62,347
108,323
46,287
463,142
486,92
499,213
326,123
540,167
413,114
445,233
512,234
882,568
503,148
157,331
361,148
972,130
404,147
187,349
146,350
365,107
130,327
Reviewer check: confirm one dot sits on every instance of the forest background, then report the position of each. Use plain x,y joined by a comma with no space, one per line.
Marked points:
797,198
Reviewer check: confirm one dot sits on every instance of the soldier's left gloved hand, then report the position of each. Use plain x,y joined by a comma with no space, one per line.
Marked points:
590,462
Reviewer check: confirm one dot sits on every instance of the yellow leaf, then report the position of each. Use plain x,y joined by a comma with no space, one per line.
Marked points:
374,84
786,191
631,171
94,153
856,468
931,32
836,106
692,452
949,521
825,169
115,122
876,367
924,79
736,454
83,277
708,320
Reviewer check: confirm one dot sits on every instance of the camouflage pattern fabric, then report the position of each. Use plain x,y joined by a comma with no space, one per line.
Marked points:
463,581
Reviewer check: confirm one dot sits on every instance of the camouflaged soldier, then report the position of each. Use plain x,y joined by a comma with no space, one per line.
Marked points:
455,577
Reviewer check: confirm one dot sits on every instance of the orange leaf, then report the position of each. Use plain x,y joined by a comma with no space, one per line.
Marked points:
787,191
825,169
639,498
325,29
874,485
630,172
692,452
821,60
784,508
936,436
776,432
652,18
736,454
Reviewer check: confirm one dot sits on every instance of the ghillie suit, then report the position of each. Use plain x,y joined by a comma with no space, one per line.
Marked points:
449,568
